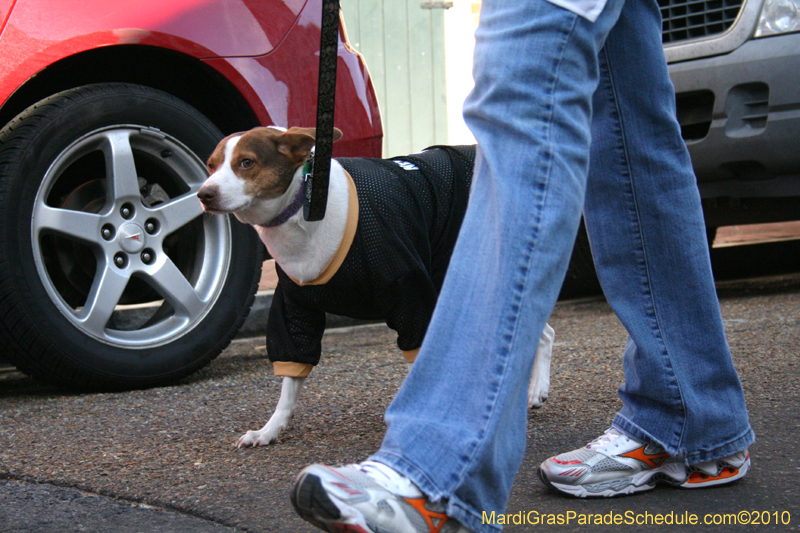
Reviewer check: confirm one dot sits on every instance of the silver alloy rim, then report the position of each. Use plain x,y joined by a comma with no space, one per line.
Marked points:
121,244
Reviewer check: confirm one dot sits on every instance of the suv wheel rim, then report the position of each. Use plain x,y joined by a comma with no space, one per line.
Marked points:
120,241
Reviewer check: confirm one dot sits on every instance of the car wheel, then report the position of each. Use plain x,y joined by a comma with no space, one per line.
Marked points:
111,275
581,279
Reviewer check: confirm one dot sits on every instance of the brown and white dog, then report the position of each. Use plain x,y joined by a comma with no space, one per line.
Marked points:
258,176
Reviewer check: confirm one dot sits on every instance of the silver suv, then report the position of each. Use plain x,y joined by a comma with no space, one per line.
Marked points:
736,69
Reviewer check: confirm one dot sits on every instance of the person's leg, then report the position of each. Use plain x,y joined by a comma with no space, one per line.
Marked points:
457,426
682,400
647,233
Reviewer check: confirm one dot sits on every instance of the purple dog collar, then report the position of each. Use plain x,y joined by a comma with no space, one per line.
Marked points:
288,212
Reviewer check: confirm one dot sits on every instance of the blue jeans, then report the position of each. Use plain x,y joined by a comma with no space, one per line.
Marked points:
569,115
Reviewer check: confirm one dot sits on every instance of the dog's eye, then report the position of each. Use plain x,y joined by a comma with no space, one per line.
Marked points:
246,163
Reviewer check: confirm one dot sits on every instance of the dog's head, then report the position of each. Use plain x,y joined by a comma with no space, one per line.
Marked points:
249,169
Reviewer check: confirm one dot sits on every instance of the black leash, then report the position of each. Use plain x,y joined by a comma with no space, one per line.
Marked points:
316,184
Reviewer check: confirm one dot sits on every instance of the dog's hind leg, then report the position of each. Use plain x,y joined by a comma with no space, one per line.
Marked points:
539,388
290,392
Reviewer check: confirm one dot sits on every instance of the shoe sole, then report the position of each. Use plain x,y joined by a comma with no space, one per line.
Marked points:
631,485
312,502
620,487
729,474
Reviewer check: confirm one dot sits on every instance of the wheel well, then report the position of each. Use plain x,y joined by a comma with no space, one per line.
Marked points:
182,76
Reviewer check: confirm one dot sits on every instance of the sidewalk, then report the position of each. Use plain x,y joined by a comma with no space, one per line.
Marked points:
172,448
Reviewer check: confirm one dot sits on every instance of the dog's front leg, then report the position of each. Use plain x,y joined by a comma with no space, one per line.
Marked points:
290,391
539,388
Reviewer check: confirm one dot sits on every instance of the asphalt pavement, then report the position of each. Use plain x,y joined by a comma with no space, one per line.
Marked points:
164,459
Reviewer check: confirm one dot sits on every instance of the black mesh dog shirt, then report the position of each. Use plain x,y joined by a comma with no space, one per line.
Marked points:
410,211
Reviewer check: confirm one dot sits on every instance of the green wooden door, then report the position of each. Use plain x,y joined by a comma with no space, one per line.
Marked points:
403,45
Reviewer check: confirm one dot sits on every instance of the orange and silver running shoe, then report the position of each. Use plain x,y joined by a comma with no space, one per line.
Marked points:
615,464
369,497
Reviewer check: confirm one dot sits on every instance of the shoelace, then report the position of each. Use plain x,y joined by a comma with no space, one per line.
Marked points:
390,479
611,436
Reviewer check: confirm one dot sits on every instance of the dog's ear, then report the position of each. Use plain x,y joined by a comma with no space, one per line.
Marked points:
296,143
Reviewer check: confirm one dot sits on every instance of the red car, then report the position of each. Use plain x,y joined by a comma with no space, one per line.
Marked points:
108,110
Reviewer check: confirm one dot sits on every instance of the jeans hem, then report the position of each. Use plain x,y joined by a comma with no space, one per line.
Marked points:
737,444
456,508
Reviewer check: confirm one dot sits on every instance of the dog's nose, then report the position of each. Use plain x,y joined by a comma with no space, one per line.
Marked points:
207,193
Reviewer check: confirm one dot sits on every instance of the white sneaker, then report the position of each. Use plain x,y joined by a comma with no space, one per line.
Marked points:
615,464
369,497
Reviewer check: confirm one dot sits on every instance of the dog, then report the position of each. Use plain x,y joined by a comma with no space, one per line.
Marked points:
380,252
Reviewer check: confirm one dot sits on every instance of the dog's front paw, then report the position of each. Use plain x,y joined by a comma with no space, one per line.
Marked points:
539,388
537,395
262,437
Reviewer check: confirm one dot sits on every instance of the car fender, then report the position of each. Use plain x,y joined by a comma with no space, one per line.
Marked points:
199,28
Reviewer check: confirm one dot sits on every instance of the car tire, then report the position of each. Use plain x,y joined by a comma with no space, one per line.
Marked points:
711,235
581,279
111,276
